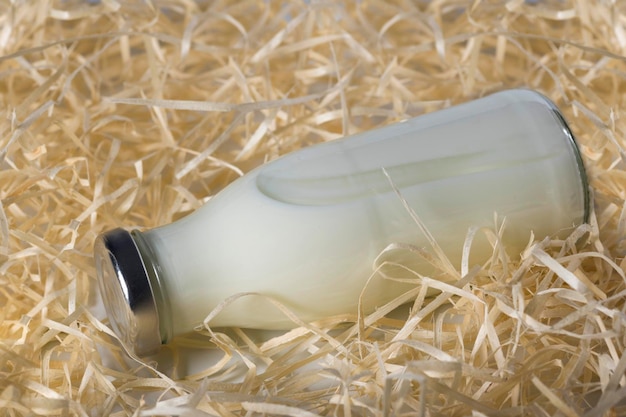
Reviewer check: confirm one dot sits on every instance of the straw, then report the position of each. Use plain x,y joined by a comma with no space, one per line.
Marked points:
136,113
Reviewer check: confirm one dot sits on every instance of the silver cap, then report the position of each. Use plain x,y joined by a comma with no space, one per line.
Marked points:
126,291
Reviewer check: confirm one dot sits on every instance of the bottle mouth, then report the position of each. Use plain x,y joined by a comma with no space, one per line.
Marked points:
126,292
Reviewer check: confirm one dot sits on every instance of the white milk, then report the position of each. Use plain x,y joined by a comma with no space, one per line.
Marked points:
306,229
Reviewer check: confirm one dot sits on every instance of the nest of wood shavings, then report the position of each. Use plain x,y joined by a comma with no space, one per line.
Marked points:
134,113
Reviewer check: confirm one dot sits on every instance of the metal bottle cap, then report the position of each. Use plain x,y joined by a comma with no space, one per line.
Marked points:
126,291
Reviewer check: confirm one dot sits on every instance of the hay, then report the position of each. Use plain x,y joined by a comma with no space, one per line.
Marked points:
134,113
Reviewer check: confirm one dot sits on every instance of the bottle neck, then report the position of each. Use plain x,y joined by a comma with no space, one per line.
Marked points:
157,284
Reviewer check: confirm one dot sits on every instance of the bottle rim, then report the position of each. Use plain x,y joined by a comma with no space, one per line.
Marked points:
126,291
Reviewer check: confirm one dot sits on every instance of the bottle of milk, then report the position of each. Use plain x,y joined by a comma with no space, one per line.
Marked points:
306,230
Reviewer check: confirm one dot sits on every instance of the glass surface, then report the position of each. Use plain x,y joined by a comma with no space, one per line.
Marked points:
308,230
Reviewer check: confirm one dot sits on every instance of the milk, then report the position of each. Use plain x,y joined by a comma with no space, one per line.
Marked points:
305,230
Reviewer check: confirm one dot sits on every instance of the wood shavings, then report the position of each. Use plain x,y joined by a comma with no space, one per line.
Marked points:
135,113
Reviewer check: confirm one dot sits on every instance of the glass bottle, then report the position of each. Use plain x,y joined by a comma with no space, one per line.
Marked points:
306,229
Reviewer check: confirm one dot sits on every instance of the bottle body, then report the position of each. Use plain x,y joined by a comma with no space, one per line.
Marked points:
306,229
